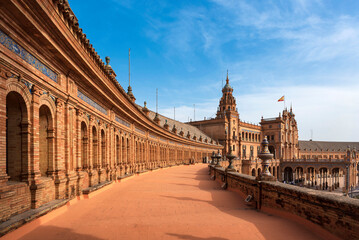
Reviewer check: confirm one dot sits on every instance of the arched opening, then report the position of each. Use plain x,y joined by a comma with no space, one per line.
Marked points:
299,175
94,147
311,176
253,172
323,178
288,174
84,143
45,139
118,149
16,142
335,178
272,151
274,172
259,171
103,148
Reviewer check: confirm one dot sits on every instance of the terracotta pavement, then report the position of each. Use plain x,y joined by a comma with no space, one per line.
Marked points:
174,203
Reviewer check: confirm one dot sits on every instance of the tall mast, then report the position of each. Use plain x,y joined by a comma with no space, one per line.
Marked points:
156,100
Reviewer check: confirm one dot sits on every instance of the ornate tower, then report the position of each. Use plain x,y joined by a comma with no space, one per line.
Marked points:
227,104
227,113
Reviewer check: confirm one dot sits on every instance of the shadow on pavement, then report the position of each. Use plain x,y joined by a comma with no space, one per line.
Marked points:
57,233
190,237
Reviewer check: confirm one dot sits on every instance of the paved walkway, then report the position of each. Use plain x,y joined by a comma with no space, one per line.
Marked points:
175,203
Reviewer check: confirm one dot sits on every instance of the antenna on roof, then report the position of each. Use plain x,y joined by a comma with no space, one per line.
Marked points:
129,67
311,134
156,100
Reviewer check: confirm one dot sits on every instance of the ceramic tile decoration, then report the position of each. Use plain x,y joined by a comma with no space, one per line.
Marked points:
25,55
91,102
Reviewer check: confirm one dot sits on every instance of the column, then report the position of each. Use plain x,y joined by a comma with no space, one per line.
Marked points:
78,139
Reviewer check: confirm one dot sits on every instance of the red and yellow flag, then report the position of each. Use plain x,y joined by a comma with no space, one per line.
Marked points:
281,99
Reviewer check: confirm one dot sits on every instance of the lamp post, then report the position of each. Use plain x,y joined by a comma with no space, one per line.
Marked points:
218,157
265,156
230,157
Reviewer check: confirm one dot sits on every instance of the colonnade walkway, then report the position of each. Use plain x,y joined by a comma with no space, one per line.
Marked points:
174,203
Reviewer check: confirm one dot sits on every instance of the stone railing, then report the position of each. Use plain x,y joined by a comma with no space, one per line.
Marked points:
327,214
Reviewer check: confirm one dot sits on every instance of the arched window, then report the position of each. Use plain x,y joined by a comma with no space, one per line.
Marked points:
46,138
84,143
16,141
94,147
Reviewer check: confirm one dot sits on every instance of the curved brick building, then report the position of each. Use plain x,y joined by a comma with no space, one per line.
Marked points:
66,123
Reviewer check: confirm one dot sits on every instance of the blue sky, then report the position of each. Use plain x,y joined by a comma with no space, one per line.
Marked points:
307,50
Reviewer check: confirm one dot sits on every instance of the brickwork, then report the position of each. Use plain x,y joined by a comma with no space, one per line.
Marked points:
336,214
65,122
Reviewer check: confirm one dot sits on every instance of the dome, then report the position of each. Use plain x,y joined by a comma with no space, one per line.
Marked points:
227,87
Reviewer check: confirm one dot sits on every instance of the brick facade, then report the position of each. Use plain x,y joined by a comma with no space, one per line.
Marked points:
65,122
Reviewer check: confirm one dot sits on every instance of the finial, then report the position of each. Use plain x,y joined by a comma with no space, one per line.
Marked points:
227,80
107,58
145,103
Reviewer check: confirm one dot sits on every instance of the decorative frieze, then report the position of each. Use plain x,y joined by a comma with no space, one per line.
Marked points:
140,131
123,122
10,44
91,102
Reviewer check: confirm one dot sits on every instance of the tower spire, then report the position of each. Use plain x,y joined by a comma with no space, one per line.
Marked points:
227,80
129,89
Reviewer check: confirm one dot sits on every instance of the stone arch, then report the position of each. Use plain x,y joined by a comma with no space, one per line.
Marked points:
45,99
17,141
253,172
13,85
288,174
272,150
46,139
84,145
259,171
84,118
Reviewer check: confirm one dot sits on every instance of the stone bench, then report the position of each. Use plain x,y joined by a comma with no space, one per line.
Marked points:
89,190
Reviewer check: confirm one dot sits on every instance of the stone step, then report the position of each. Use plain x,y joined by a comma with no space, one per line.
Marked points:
25,217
